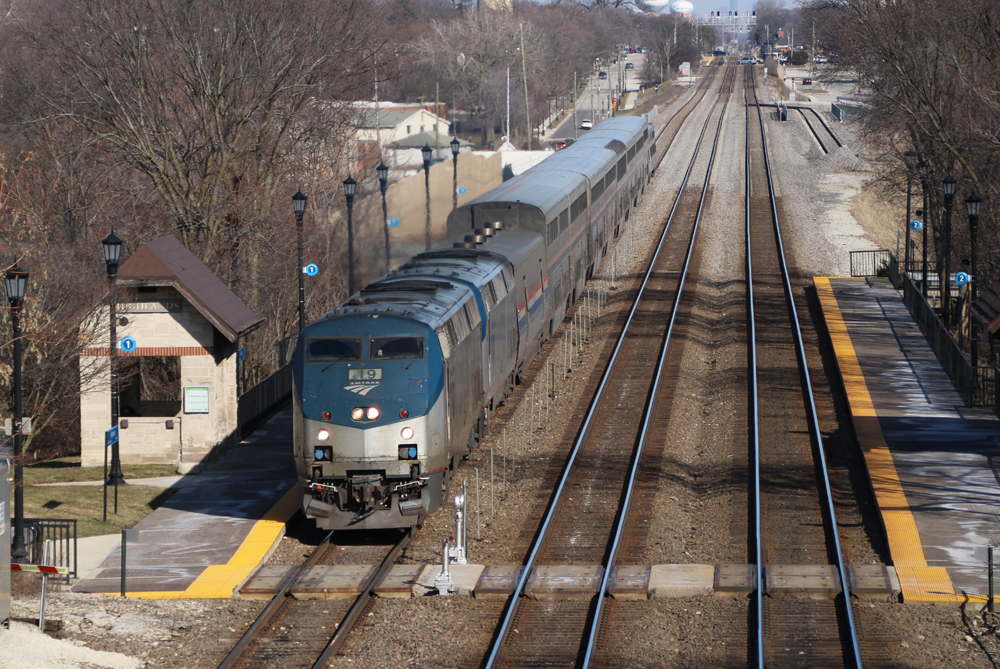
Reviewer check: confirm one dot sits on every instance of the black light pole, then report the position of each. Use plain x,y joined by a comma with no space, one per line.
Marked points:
112,255
949,198
299,204
972,205
911,160
16,279
349,186
923,170
455,146
426,151
383,181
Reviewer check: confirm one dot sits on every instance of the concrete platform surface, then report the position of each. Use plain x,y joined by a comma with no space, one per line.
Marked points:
931,459
216,529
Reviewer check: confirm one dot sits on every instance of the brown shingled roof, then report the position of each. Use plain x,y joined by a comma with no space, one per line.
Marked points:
167,262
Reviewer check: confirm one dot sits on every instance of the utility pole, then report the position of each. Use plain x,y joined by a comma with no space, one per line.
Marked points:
812,56
527,104
576,125
437,106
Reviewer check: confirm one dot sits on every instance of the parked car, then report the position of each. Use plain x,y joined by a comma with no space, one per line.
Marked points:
629,66
806,81
820,59
586,124
783,60
602,75
746,61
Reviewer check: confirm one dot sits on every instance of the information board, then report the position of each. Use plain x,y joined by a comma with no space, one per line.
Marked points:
196,399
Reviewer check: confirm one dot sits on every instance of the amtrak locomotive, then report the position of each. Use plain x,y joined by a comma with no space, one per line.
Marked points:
396,385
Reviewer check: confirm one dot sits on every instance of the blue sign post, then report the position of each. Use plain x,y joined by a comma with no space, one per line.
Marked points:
462,190
915,224
311,269
110,439
961,278
127,344
393,222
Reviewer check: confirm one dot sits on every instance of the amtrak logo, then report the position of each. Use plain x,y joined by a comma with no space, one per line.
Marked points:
361,388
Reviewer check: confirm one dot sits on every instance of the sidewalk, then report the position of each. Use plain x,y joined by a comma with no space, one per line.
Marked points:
212,533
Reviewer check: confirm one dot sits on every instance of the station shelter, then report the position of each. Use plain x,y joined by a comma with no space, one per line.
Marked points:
178,332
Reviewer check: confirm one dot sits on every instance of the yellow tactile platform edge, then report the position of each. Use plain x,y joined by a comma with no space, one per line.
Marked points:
918,582
219,581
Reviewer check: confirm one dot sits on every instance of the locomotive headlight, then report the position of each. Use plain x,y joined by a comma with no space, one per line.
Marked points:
357,413
323,435
372,413
406,433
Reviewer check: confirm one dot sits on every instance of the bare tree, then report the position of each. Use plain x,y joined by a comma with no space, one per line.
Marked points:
205,99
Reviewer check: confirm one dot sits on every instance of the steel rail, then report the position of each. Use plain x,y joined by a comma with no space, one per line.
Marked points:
813,131
661,361
703,89
265,616
820,118
754,408
813,416
518,589
354,613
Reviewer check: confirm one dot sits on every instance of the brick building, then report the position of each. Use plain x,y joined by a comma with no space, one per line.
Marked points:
178,398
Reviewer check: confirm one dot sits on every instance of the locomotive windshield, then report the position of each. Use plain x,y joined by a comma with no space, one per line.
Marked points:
329,349
396,348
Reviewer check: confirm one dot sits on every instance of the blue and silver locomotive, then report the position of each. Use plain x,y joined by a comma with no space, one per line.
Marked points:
395,386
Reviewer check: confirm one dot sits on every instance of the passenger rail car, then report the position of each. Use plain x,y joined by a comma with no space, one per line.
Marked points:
392,388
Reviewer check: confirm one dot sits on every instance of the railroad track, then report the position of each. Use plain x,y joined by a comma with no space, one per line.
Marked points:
676,122
586,521
303,633
794,516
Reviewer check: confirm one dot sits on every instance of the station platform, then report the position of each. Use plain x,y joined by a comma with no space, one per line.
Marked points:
932,461
216,529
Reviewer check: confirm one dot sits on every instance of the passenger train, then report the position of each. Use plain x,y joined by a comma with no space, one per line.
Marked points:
395,386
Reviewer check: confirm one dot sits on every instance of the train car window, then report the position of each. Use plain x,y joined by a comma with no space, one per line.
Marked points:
597,191
609,180
631,154
330,349
579,206
396,348
563,221
490,294
553,227
621,169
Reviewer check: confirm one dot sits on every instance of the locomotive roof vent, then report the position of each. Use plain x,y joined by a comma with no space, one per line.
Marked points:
496,225
485,232
464,245
475,239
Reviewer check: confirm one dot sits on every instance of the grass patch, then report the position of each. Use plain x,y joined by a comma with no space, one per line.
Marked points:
68,469
86,505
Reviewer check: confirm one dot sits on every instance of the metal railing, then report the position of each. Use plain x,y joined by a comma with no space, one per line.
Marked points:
978,385
871,263
258,403
62,533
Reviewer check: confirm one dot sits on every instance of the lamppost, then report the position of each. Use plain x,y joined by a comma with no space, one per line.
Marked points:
16,279
426,151
910,157
349,185
383,181
299,205
923,170
949,198
112,254
972,205
455,146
